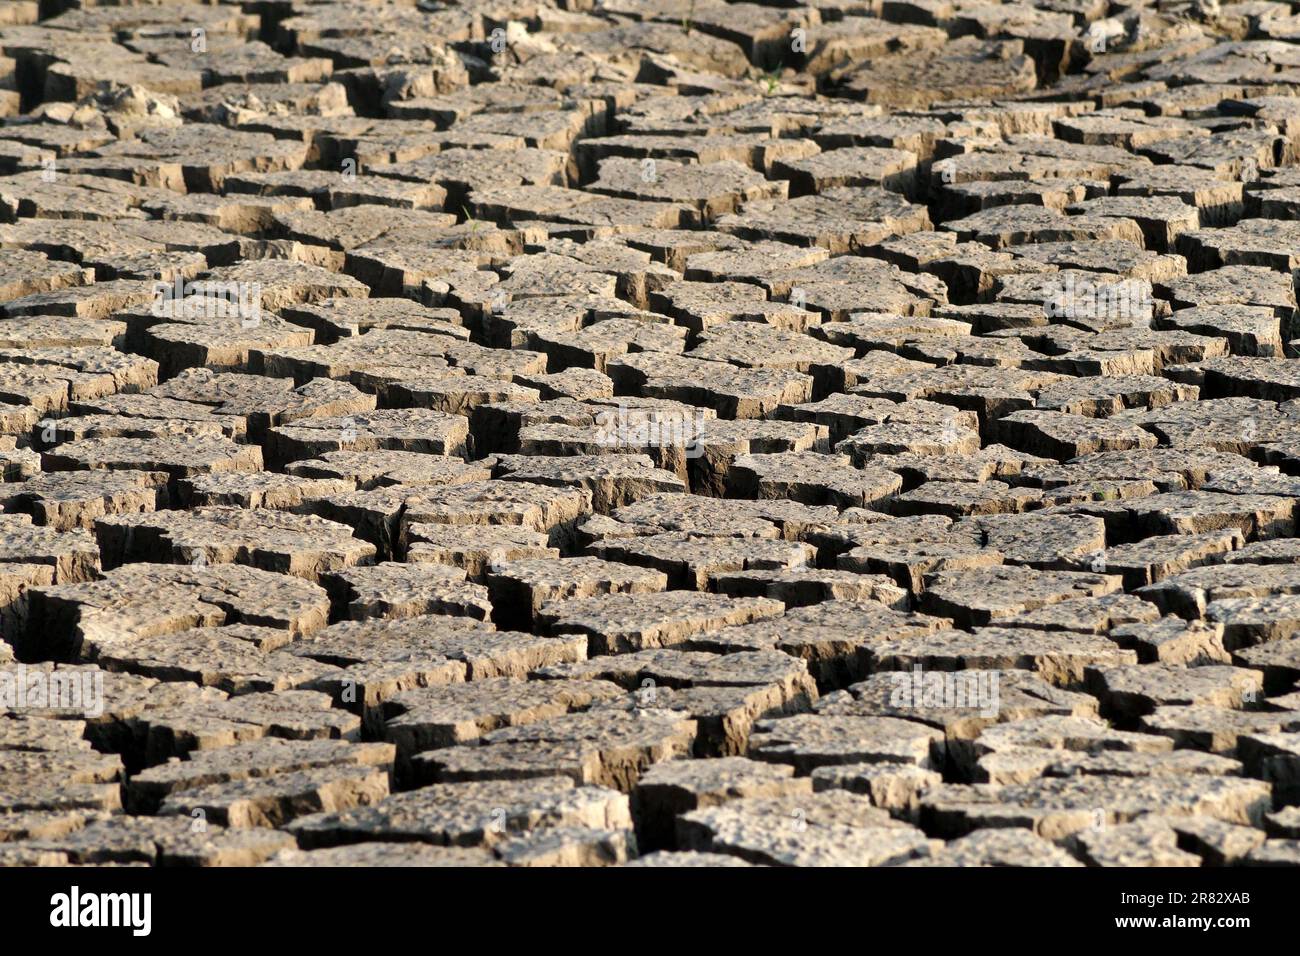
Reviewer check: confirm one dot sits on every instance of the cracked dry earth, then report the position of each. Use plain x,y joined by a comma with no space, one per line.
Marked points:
659,433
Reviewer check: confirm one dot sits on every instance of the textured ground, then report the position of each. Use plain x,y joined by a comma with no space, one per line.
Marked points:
665,432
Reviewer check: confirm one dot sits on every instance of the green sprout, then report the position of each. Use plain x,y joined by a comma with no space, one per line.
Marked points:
470,221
